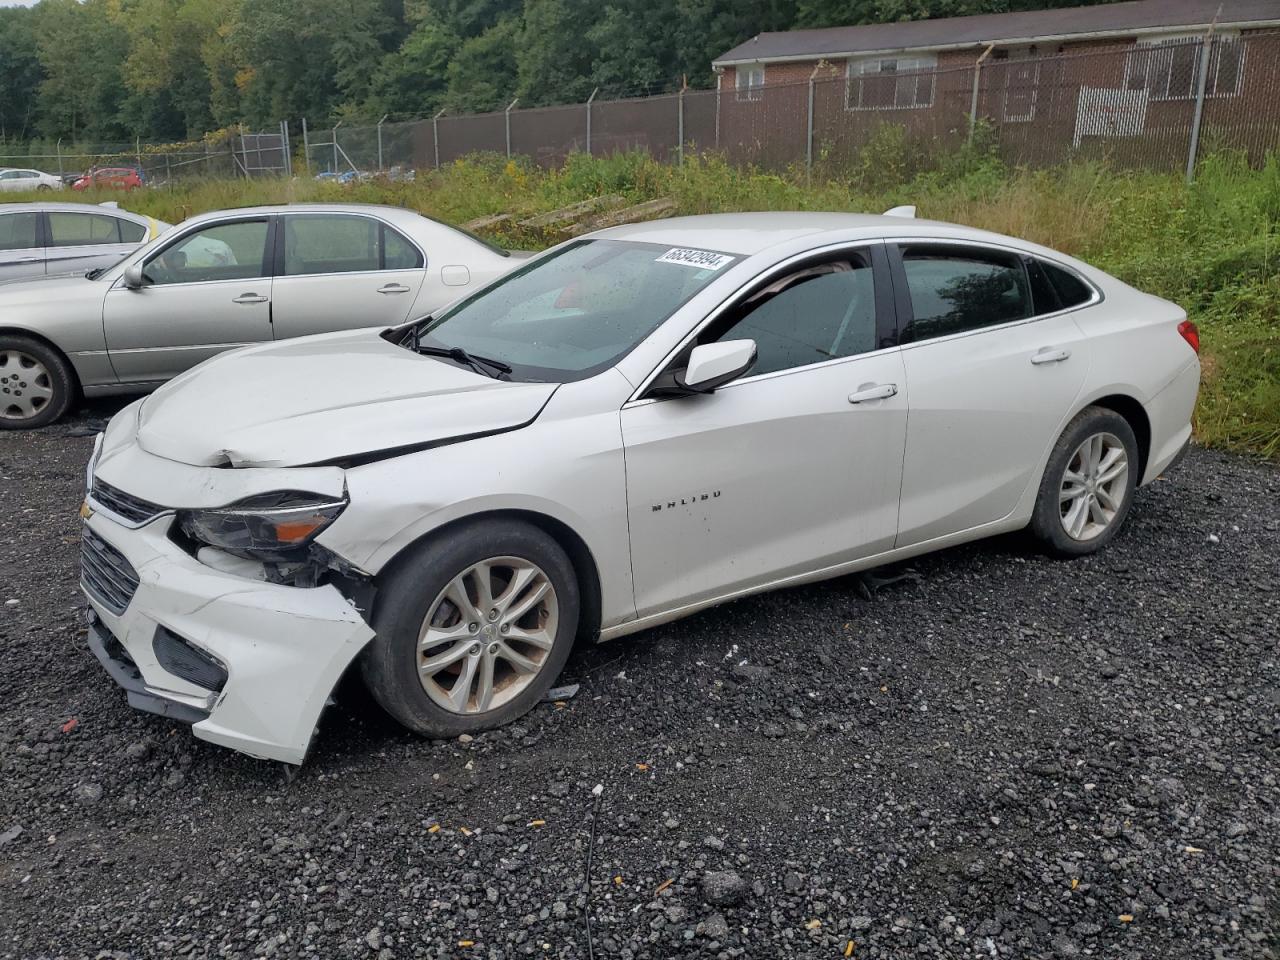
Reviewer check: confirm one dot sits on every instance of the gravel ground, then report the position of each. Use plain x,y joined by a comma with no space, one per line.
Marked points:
1011,757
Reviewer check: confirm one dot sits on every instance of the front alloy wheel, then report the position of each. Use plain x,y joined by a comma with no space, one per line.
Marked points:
473,625
487,635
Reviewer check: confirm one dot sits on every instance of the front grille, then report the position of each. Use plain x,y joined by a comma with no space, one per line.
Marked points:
183,660
126,505
105,573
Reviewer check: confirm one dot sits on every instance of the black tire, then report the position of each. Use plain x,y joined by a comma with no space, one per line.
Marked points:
1047,523
42,187
57,376
406,594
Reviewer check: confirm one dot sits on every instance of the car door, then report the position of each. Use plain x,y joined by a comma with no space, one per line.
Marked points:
991,375
21,245
205,291
11,180
341,271
793,468
82,241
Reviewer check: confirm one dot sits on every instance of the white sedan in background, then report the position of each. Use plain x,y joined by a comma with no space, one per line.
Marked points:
637,425
13,180
225,280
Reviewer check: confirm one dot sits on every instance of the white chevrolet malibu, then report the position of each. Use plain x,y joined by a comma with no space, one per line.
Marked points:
634,426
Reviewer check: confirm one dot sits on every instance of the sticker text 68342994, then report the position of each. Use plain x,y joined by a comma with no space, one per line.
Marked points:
698,259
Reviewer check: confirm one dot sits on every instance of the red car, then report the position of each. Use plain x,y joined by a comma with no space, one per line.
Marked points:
116,178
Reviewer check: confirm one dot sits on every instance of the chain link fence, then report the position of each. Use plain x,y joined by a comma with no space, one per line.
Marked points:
1154,105
240,154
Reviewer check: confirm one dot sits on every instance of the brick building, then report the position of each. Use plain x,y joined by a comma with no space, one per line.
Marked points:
1049,79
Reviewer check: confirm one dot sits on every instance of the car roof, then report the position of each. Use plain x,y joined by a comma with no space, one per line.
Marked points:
750,233
56,207
394,214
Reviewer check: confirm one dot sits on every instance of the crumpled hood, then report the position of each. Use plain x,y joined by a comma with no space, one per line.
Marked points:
330,397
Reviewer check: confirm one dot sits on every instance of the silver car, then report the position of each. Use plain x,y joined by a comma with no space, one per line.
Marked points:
45,238
225,280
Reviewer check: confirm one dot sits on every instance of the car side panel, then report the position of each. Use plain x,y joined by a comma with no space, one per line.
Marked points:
566,465
981,413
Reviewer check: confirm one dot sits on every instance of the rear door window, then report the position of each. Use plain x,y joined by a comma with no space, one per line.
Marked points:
962,288
18,231
131,232
343,243
82,229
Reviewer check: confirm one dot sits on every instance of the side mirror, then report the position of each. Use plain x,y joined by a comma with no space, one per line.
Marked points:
712,365
133,278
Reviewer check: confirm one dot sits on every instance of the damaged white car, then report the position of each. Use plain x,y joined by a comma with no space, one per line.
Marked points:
632,427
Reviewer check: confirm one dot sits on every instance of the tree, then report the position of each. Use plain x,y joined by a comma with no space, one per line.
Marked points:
20,72
483,74
82,47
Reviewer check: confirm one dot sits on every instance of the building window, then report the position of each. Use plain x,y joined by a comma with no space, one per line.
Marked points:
895,83
1021,83
1168,68
749,81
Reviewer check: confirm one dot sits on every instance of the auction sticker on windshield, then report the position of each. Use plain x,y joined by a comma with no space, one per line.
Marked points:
698,259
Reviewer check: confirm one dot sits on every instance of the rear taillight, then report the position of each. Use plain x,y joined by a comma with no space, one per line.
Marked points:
1190,333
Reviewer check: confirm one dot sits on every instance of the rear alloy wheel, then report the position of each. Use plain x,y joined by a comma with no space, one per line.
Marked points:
35,384
473,627
1088,483
1094,485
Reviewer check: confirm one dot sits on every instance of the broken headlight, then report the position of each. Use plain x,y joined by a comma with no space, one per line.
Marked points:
269,526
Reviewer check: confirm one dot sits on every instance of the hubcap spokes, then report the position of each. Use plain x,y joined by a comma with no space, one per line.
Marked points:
25,388
1093,486
487,635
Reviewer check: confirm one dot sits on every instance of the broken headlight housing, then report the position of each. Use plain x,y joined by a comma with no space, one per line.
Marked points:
269,526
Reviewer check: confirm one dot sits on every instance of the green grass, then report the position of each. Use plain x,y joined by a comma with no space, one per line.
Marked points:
1212,246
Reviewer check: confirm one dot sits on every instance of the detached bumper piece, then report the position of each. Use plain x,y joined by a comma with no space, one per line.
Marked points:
122,669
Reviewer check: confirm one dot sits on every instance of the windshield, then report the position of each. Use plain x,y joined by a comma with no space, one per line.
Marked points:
577,312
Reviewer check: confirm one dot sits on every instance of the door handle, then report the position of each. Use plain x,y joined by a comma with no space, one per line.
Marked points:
250,298
879,391
1050,355
27,260
393,288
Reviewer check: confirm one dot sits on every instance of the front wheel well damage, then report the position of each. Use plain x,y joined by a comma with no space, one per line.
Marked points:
1137,418
584,564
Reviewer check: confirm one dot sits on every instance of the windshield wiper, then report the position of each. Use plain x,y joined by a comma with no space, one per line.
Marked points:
95,273
458,355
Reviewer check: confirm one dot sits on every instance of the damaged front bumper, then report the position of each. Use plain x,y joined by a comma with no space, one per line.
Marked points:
249,664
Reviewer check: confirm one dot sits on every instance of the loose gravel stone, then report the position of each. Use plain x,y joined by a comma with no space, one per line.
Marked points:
999,760
723,888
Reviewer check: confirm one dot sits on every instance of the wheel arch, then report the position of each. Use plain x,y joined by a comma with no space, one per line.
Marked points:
584,563
1135,415
7,330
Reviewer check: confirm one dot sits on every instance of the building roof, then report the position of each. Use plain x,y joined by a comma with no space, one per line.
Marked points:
1103,19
